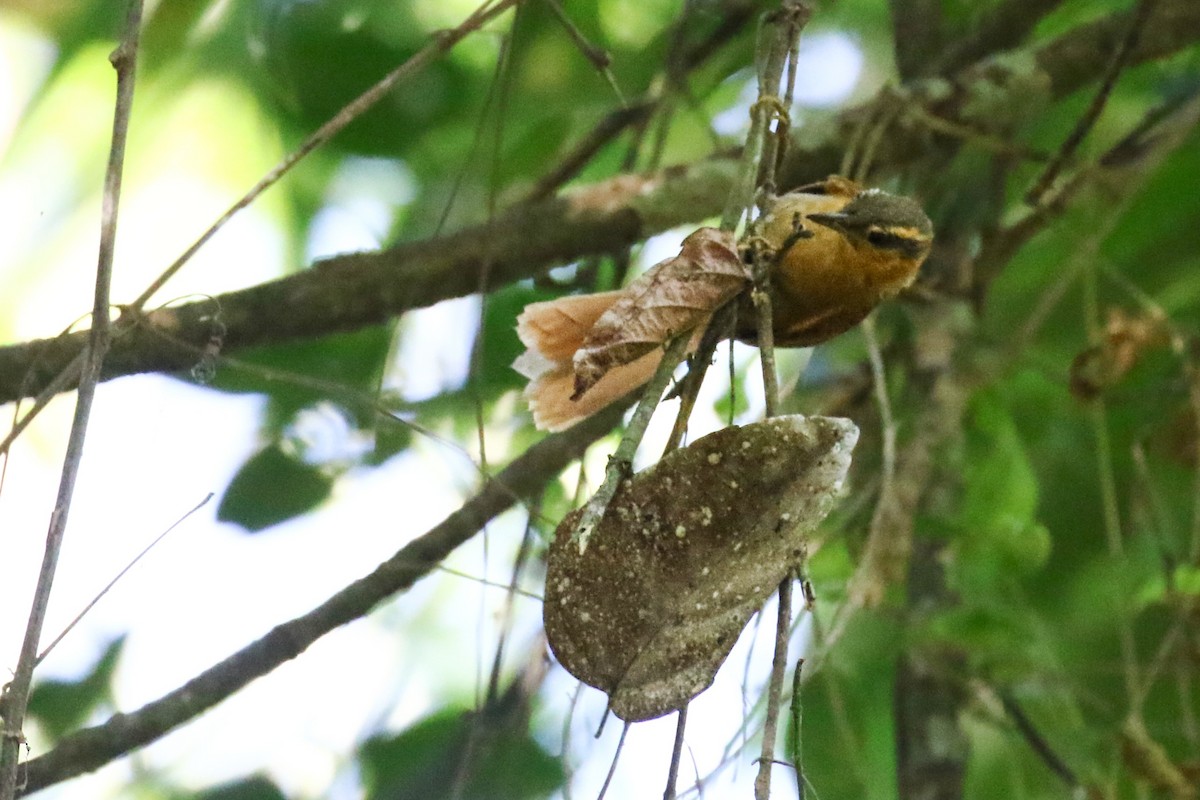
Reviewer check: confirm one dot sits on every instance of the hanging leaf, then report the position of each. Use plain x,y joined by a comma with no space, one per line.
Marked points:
687,551
674,296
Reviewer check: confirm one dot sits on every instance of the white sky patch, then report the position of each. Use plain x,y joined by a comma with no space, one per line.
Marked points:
324,434
361,205
827,69
434,354
664,245
25,58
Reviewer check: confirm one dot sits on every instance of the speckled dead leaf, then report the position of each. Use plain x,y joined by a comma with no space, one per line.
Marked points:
688,550
674,296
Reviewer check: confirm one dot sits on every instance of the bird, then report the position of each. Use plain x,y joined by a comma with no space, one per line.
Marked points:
837,250
865,247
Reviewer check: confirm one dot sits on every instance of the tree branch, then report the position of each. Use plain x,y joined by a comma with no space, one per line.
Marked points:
359,289
91,748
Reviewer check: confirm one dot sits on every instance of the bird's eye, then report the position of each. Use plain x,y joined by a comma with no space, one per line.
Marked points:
882,238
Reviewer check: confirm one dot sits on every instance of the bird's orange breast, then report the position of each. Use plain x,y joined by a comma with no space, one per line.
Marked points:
823,284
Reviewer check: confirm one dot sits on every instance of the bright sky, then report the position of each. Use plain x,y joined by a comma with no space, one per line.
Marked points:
157,446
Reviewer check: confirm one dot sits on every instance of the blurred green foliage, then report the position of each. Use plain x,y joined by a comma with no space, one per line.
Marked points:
256,788
451,755
63,706
272,487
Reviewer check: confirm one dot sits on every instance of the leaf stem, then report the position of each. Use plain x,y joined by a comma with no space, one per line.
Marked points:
619,463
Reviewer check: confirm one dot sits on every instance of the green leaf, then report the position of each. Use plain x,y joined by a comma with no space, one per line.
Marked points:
299,42
423,762
63,706
999,507
255,788
272,487
1185,580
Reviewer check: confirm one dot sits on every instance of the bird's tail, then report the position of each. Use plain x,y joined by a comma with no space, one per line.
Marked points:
552,331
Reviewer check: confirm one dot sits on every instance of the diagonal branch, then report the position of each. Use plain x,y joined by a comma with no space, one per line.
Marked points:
355,290
91,748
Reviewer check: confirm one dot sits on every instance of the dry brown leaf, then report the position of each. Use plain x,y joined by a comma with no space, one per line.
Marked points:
1126,339
688,550
672,297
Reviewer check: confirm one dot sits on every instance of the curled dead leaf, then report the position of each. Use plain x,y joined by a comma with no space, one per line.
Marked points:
1126,339
688,550
673,297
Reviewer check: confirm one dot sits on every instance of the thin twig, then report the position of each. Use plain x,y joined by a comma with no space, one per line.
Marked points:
42,656
783,623
565,756
1187,712
1169,645
1083,126
887,419
1001,26
767,107
65,378
350,396
766,333
598,57
498,93
1037,742
689,389
585,150
676,754
612,768
468,163
16,696
506,614
505,587
890,106
637,113
975,136
1126,166
619,463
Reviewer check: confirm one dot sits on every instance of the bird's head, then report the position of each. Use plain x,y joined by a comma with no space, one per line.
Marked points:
886,223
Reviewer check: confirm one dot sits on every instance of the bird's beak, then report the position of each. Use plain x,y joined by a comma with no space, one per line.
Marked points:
836,221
